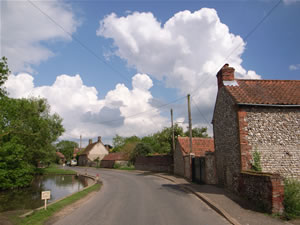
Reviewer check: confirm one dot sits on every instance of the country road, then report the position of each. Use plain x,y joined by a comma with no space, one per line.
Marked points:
130,198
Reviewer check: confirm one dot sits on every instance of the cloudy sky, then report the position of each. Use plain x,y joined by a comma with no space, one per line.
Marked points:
117,67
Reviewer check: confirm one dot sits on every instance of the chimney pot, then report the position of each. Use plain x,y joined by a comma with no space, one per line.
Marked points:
90,141
99,139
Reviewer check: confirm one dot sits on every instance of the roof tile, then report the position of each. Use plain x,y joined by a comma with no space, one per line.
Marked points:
200,145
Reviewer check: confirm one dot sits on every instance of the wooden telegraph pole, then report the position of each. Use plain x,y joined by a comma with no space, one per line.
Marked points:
190,123
173,136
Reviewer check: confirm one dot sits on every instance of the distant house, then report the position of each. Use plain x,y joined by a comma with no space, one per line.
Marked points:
92,154
112,158
77,151
256,117
61,157
182,159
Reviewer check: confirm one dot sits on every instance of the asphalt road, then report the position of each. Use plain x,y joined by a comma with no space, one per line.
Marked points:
128,198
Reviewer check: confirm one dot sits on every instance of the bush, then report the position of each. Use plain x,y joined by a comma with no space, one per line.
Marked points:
291,198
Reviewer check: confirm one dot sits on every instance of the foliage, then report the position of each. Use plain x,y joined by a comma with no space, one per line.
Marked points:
159,142
256,166
39,217
141,149
27,133
4,72
291,198
198,132
14,171
67,148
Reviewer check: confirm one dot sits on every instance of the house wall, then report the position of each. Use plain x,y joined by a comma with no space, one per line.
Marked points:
226,139
178,161
275,134
187,167
98,150
210,168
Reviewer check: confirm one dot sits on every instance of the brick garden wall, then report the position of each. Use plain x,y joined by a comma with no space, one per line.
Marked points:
159,163
266,190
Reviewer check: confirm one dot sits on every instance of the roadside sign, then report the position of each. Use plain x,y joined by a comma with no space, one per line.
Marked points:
45,195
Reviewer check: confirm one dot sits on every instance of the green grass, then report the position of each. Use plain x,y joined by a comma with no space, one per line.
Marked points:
39,217
291,199
53,169
126,168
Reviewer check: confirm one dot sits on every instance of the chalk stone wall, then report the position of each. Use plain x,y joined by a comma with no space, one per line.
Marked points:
265,190
178,161
210,168
275,134
226,139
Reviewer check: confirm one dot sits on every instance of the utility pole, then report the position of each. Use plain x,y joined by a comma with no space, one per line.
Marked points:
80,143
173,136
190,123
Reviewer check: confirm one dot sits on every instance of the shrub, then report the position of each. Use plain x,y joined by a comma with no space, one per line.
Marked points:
256,162
291,198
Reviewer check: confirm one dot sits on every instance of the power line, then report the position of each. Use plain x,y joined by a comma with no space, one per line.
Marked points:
78,41
201,113
117,72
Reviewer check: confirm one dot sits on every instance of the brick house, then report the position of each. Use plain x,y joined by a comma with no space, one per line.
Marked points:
92,154
112,158
201,148
256,116
60,157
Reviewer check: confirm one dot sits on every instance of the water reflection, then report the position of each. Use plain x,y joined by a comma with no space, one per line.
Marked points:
30,198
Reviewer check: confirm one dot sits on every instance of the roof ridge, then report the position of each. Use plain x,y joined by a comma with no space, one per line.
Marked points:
266,80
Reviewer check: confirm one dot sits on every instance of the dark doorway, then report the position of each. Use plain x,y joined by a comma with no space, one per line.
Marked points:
198,169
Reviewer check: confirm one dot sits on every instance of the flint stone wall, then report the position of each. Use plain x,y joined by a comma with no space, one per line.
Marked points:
275,134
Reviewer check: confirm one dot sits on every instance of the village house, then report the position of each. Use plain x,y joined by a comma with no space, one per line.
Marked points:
60,158
110,160
256,117
202,147
92,154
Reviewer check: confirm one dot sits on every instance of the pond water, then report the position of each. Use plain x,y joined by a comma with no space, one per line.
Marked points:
30,198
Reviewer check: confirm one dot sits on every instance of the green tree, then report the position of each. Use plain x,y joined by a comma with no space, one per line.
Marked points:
118,142
66,148
4,72
27,126
141,149
197,132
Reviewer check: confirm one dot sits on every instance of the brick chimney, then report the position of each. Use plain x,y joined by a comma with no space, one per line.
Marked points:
99,139
90,141
225,74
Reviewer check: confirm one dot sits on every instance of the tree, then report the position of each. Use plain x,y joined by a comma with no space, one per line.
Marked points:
141,149
27,134
4,72
198,132
67,148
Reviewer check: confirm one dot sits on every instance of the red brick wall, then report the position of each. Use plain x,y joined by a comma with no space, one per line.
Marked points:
159,163
244,145
266,190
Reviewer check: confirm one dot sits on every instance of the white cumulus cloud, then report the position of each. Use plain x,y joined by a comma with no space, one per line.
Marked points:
85,114
24,29
186,51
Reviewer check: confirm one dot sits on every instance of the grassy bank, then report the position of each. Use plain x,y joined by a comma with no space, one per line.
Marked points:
39,217
54,169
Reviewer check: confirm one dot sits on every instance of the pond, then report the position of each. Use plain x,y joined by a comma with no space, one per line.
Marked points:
30,198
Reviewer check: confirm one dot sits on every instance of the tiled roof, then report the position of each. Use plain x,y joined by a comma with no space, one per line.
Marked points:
273,92
60,155
200,145
88,149
115,156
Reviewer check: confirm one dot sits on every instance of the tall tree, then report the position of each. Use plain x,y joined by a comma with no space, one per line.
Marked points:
67,148
198,132
4,72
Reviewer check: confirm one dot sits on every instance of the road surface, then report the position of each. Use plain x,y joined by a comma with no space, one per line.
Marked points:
129,198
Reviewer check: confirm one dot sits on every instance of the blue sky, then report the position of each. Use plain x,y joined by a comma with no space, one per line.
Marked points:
130,57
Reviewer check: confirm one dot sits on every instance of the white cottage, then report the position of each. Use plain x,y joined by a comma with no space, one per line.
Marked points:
93,153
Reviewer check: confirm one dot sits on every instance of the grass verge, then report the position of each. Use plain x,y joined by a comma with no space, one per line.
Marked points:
53,169
39,217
